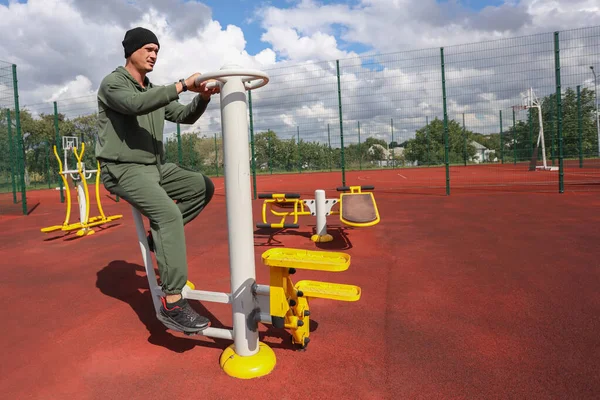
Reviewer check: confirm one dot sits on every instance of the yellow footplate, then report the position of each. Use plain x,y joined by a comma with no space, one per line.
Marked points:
52,228
289,302
325,290
307,259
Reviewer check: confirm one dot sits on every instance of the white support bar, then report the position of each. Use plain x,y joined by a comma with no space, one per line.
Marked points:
157,291
234,122
321,207
266,318
218,333
321,229
147,257
203,295
217,297
324,207
262,290
81,200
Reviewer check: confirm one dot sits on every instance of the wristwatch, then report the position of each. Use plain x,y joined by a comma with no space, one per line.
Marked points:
185,88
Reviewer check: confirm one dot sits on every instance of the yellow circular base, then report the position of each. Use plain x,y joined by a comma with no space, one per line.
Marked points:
254,366
321,238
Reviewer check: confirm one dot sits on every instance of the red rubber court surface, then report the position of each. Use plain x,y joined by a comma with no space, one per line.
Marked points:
482,178
468,296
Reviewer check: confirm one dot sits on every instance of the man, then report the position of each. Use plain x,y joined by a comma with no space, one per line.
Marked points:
131,116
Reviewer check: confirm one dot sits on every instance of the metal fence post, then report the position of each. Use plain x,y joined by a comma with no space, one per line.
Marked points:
501,140
20,143
514,137
446,145
12,155
561,170
339,87
465,140
579,126
252,144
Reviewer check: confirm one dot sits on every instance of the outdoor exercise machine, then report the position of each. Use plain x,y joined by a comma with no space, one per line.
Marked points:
79,175
282,303
356,209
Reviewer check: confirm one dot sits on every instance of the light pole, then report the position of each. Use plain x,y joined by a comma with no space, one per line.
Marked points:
597,112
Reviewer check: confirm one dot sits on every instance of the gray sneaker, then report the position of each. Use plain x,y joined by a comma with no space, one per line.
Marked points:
180,316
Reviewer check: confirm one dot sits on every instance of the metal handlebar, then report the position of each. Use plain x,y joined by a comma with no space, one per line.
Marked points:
252,79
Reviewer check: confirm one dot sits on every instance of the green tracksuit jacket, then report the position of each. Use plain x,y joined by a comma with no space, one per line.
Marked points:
130,151
132,118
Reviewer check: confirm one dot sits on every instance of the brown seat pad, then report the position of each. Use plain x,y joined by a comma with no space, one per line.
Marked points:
358,208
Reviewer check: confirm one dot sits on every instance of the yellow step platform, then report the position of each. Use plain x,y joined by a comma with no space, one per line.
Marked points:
52,228
307,259
94,221
325,290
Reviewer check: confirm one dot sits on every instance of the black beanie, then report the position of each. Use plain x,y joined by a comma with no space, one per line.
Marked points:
136,38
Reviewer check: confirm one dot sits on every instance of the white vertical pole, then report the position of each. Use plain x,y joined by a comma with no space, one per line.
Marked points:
239,211
81,200
533,101
155,291
542,136
321,213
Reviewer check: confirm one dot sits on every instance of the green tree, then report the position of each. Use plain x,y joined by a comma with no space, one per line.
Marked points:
191,156
428,146
314,155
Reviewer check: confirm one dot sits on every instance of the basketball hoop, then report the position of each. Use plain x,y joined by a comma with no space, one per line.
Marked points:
530,100
70,142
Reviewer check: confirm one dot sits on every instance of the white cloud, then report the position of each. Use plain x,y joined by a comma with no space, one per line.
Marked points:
56,44
406,86
64,48
81,86
395,25
316,47
266,57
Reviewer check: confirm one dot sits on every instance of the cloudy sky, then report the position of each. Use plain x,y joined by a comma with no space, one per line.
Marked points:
63,49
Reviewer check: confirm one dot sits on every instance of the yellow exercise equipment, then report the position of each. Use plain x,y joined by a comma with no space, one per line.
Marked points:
289,302
356,208
80,176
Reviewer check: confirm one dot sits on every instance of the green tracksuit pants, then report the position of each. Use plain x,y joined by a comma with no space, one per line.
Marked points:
170,197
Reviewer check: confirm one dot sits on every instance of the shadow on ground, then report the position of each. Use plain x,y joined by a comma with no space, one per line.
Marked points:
269,237
127,282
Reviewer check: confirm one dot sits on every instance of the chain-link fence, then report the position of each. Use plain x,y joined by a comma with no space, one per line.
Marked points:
474,116
13,167
465,116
